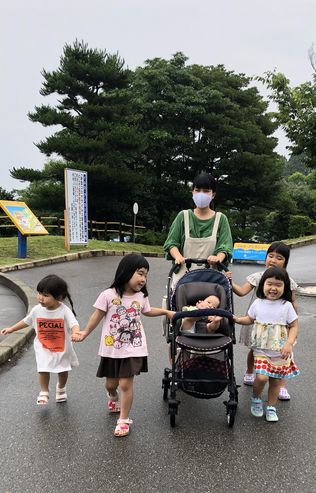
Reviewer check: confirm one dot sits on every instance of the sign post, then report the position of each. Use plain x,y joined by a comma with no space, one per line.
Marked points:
135,210
76,213
25,221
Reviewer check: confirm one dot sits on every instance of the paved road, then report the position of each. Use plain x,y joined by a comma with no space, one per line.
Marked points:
70,447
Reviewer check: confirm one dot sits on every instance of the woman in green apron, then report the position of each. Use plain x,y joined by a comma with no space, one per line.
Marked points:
201,232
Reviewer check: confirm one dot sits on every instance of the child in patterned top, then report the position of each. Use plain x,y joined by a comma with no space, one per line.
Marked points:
278,255
272,338
123,347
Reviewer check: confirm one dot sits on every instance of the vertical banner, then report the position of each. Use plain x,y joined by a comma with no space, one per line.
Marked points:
76,195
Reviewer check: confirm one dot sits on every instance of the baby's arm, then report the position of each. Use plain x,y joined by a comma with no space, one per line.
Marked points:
246,320
213,323
286,351
18,326
242,290
158,312
93,321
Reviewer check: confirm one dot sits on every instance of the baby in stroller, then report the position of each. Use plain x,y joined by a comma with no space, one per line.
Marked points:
211,323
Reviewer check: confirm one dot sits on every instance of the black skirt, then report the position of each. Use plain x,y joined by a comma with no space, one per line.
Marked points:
122,367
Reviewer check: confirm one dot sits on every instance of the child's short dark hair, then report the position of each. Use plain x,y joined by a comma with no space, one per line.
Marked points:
204,180
56,287
279,274
282,249
126,269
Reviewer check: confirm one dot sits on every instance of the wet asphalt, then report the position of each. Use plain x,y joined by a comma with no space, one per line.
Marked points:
70,447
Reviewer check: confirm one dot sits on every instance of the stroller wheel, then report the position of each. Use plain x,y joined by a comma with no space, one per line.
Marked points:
231,418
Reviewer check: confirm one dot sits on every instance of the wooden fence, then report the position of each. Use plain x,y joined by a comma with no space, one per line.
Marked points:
101,230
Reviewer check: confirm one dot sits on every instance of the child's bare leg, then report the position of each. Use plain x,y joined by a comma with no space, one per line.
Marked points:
43,378
126,389
258,384
250,361
273,392
111,385
62,379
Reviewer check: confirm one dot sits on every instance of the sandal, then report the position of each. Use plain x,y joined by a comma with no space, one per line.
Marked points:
283,394
61,394
42,398
122,427
113,403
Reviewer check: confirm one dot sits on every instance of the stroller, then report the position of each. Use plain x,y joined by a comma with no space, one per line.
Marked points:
201,362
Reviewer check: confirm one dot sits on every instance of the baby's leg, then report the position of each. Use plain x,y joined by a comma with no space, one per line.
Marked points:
187,323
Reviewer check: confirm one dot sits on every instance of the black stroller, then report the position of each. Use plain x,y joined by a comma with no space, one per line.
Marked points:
201,362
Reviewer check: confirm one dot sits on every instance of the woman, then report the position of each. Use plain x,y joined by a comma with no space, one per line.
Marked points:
201,233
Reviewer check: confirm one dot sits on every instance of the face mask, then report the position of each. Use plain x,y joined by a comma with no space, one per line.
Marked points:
202,199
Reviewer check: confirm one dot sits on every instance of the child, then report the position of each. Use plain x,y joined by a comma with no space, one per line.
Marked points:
123,347
272,338
213,322
278,255
55,327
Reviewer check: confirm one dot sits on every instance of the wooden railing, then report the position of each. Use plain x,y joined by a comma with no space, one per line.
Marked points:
101,230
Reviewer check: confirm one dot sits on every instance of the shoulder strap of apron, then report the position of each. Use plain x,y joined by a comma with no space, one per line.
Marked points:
186,223
216,223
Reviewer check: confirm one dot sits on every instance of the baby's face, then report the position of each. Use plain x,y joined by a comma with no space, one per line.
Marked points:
209,302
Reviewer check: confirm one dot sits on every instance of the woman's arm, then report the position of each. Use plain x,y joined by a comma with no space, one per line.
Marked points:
18,326
93,321
178,258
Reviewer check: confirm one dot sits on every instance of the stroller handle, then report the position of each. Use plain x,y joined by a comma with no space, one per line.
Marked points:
203,312
202,261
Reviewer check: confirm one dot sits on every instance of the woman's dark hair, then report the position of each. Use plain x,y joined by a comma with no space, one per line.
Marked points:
204,180
279,274
56,287
282,249
125,271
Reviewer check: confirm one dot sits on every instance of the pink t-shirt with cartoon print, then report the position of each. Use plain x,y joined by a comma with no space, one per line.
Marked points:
123,335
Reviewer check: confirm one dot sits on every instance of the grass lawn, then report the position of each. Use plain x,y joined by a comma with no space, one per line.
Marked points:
40,247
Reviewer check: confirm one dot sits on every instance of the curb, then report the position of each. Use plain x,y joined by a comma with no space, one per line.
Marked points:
15,341
74,256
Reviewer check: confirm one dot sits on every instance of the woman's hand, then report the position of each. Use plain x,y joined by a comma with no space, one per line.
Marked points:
286,351
213,259
179,259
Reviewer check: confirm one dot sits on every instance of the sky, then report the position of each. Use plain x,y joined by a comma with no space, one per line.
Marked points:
247,36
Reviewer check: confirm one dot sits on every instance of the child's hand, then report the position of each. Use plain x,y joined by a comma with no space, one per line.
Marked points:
202,304
286,351
6,331
228,274
78,336
170,314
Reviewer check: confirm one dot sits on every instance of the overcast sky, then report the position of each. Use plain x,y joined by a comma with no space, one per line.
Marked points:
248,36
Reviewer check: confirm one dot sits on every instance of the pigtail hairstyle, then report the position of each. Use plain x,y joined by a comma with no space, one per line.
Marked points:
125,271
279,274
56,287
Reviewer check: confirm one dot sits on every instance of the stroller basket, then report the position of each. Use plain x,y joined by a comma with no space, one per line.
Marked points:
202,375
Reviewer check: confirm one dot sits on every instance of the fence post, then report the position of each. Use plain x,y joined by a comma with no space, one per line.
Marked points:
120,232
105,231
91,229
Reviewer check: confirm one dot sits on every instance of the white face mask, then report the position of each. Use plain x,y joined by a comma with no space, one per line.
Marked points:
201,199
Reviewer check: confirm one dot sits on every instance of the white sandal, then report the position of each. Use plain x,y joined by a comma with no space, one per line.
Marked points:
42,398
122,427
61,394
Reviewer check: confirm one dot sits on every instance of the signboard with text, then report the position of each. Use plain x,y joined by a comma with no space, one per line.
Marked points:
23,218
250,251
76,191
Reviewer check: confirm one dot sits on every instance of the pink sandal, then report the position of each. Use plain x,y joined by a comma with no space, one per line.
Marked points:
42,398
122,427
113,404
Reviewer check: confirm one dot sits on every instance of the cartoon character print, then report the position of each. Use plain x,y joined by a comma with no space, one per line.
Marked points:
125,325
